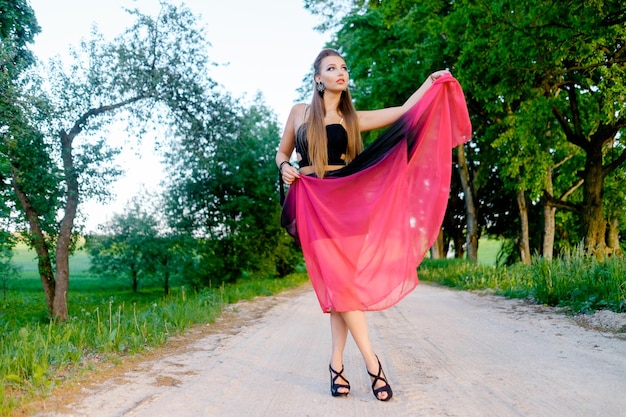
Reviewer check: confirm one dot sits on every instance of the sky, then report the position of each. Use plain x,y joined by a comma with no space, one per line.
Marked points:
265,46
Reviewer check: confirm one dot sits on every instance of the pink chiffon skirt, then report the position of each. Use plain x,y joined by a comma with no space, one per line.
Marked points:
364,229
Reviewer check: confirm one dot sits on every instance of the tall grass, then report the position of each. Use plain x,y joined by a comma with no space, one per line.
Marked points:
583,283
578,282
107,322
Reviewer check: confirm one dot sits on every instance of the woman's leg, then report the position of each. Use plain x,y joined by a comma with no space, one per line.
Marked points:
356,322
339,333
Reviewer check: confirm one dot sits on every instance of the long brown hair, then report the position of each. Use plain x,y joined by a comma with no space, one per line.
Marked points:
316,130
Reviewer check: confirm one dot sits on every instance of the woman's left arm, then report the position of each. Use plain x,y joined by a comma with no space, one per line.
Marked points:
375,119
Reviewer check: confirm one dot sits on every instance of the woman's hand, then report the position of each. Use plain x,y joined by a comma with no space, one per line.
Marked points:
289,173
433,77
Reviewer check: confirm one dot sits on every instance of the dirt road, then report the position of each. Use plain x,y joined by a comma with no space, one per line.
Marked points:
446,353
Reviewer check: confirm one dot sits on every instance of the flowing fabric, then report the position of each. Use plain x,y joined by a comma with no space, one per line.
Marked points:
365,228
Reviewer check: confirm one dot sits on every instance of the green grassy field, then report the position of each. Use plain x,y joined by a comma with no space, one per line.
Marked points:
85,289
488,251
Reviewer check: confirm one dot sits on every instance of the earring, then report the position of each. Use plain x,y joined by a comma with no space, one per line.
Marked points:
320,87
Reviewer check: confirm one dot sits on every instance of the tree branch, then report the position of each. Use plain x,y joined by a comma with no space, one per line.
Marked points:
563,161
569,133
573,188
78,126
560,204
614,18
606,170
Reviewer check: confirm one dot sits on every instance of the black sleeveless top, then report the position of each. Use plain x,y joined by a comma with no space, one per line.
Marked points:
337,139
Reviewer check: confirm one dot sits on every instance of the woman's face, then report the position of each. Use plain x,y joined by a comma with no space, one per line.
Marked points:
333,73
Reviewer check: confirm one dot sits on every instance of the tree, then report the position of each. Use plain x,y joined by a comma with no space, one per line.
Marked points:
472,215
164,253
615,195
155,72
18,27
126,246
223,191
566,59
168,251
139,245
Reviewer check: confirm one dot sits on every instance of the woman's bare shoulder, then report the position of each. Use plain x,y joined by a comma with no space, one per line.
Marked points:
298,114
298,109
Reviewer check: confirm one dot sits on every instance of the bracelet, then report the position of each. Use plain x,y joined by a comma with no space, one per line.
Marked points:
280,167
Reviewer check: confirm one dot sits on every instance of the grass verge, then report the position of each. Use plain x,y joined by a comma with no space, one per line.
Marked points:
580,283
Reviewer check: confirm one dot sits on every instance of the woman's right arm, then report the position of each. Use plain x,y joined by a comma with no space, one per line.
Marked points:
287,145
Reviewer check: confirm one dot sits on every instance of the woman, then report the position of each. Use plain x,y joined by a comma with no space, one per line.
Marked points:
326,137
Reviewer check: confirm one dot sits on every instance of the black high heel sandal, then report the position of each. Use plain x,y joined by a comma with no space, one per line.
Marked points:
380,377
334,386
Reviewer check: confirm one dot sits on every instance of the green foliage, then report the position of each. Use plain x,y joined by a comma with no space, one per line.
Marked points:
152,74
541,76
137,246
389,49
126,246
8,270
36,174
583,283
223,192
18,27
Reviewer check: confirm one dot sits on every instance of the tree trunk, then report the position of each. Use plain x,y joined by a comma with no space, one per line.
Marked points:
472,218
55,285
453,233
592,216
60,308
459,247
593,222
613,238
166,282
549,229
437,251
38,242
135,278
549,221
524,242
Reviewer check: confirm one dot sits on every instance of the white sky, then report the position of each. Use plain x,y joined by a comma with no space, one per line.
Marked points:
269,47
